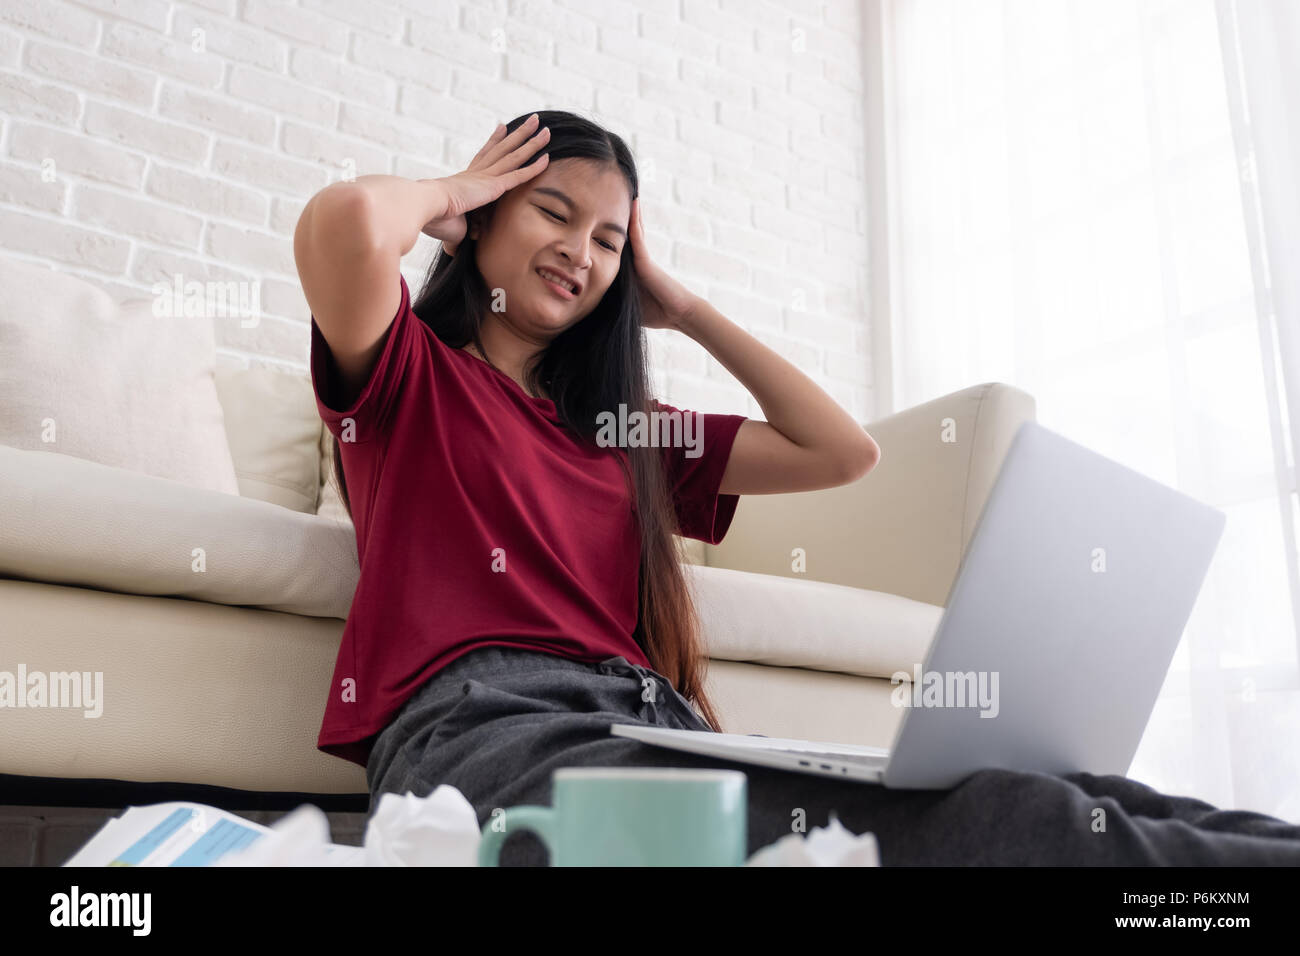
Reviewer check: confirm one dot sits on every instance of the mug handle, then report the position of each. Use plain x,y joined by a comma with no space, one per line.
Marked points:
538,819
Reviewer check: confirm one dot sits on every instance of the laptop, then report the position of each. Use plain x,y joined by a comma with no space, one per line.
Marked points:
1056,636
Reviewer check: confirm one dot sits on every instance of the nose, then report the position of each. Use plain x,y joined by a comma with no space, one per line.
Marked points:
578,251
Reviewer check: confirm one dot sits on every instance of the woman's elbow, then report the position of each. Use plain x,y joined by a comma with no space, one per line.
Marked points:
858,465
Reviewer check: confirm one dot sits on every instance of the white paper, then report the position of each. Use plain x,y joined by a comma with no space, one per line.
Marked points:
440,829
184,834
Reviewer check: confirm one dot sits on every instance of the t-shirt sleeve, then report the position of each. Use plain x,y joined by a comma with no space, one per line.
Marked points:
694,470
370,412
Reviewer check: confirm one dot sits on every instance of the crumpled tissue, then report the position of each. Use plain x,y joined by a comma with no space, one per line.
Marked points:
438,830
405,830
442,830
831,845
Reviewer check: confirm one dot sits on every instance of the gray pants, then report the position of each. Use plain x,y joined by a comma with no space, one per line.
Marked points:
497,722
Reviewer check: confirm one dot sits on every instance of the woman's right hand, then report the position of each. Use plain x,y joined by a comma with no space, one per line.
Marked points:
493,170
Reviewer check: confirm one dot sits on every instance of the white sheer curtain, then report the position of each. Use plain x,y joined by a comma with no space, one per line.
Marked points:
1095,201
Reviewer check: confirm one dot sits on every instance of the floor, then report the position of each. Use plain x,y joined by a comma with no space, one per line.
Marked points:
48,836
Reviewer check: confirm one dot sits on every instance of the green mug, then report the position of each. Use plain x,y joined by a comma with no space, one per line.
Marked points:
633,816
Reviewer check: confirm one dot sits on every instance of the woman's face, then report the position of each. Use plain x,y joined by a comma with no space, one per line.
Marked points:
572,218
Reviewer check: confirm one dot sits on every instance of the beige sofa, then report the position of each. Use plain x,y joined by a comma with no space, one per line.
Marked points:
167,530
218,676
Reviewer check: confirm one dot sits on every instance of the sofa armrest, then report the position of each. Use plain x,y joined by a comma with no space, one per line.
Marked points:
903,527
72,521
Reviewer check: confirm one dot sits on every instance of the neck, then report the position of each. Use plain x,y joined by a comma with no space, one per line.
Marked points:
506,351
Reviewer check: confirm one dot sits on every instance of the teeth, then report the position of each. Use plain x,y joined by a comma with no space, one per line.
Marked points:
558,280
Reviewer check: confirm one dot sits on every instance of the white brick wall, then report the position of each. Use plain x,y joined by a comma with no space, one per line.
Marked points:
142,138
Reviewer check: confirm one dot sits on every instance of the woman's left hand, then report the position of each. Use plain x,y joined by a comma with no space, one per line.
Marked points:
664,300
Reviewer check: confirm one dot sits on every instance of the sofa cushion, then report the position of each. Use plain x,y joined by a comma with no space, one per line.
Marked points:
109,382
274,433
77,522
767,619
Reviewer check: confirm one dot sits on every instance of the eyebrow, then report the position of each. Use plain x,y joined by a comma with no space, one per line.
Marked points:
548,191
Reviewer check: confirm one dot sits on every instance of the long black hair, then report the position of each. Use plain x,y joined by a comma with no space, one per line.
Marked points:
592,366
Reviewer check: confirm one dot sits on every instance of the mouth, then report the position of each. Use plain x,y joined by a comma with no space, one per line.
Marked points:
558,284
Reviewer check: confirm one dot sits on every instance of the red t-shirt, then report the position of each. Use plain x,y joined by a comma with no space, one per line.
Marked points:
482,520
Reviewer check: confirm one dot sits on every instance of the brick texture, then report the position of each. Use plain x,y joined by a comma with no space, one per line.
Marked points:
133,135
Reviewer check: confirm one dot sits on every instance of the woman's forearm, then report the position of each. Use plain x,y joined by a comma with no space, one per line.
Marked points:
396,210
791,401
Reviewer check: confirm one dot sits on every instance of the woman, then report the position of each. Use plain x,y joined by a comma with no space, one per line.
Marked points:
520,590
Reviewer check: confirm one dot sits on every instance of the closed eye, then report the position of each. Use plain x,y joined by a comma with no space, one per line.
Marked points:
560,218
